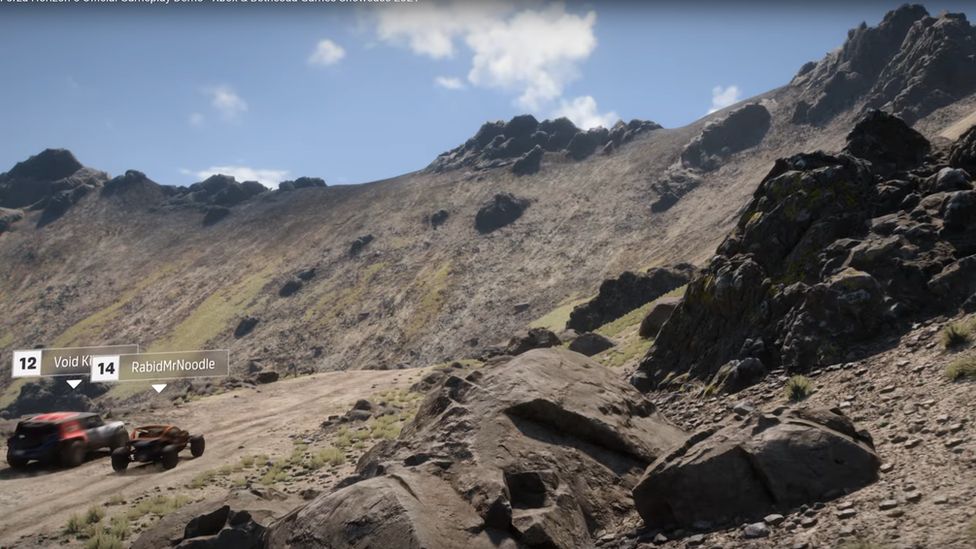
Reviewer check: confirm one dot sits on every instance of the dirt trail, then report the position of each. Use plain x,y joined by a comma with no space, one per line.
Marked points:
235,424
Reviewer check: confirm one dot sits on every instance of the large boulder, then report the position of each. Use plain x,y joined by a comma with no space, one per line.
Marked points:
742,129
503,209
618,296
52,181
48,394
749,469
533,338
591,343
538,451
659,314
887,142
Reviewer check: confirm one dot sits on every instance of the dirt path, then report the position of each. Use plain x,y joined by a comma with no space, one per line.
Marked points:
245,421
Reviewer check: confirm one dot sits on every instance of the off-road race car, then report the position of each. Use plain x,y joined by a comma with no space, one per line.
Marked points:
157,443
62,437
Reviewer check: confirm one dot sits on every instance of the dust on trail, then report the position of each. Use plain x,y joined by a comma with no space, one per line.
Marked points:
235,424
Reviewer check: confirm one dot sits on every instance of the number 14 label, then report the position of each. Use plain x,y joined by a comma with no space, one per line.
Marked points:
27,363
105,368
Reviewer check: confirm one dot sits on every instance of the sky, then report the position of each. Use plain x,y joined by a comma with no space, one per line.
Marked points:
356,93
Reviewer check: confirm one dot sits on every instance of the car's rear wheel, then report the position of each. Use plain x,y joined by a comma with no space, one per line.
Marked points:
170,457
72,453
197,445
120,459
16,462
119,440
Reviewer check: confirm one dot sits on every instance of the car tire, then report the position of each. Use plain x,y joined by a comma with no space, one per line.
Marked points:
72,453
16,463
120,459
119,440
170,456
197,445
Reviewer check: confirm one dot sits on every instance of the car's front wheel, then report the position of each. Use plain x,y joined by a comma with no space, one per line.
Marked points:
72,453
197,445
16,462
120,459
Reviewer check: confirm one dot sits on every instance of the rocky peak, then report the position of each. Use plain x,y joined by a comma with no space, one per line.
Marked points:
48,165
910,64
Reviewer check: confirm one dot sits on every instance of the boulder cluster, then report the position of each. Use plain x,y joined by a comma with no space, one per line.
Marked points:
539,451
833,250
910,65
522,142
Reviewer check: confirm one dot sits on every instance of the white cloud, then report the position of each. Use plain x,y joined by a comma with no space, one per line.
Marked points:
196,120
230,105
532,52
723,97
431,28
449,82
268,178
583,112
326,53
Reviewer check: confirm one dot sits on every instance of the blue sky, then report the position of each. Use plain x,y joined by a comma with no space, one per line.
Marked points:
355,94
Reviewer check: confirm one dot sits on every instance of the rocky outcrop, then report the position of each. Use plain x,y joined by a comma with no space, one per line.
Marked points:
503,209
522,142
302,183
245,326
575,441
910,65
51,181
214,214
437,218
49,394
833,251
962,155
358,245
618,296
218,190
8,217
674,184
749,469
742,129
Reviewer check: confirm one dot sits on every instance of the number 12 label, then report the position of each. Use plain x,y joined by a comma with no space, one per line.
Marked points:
27,363
105,368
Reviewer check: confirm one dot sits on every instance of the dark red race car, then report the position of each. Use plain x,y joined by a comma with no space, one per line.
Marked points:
64,438
157,443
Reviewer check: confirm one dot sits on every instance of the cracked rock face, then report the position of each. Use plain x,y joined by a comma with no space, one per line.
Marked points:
766,463
543,449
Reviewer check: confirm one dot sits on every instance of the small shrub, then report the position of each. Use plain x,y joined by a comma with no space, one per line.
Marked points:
955,335
104,540
76,524
962,368
116,499
119,527
798,388
94,514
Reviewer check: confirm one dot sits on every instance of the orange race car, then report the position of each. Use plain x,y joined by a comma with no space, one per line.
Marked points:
157,443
